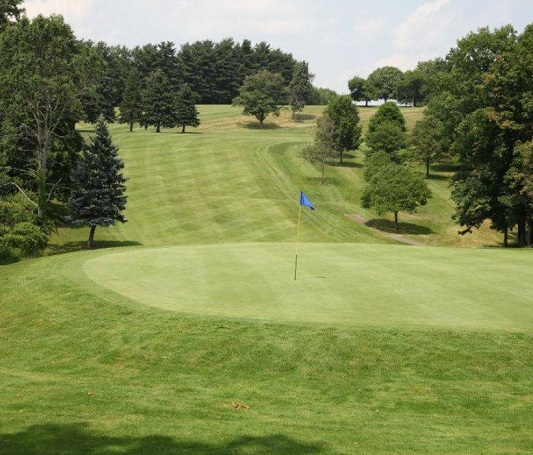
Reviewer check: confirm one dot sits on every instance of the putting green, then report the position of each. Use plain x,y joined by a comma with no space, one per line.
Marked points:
337,283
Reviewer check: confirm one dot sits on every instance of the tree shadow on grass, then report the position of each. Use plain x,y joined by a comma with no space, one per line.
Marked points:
259,126
326,181
388,226
70,247
444,167
304,117
438,177
350,164
78,439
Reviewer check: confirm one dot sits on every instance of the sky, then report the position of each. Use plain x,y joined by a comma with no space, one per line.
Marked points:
338,38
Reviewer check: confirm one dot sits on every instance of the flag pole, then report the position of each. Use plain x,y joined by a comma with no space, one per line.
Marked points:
297,241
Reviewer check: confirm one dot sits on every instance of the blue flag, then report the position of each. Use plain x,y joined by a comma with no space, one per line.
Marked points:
306,202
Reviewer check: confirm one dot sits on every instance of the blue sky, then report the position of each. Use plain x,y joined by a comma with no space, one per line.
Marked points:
339,38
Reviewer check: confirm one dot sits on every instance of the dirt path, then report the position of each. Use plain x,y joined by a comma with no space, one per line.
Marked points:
398,237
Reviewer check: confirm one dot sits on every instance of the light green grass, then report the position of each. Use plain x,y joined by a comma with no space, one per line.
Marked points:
87,370
231,181
337,284
374,349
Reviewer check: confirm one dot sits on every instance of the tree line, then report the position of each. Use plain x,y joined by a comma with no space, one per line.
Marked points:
50,80
479,118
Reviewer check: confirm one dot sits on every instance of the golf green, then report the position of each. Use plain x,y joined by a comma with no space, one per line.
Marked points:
347,284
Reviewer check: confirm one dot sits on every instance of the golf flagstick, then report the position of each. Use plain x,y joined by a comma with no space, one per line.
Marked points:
297,241
304,201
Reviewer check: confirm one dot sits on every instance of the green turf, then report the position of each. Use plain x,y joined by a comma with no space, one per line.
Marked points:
376,348
231,181
336,284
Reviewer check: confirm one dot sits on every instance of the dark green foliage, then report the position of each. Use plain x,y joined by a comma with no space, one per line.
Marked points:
325,146
429,140
375,162
322,96
160,102
9,10
19,234
359,90
345,116
384,83
262,94
300,87
98,198
387,137
485,109
39,98
186,114
388,112
131,105
387,131
395,188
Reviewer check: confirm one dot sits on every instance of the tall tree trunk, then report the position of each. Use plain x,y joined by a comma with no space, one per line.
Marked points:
506,237
427,167
158,128
522,232
341,156
131,127
396,221
183,129
90,242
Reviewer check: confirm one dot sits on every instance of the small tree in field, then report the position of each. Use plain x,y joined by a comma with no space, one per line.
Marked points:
325,147
98,197
186,113
395,188
300,87
429,140
262,94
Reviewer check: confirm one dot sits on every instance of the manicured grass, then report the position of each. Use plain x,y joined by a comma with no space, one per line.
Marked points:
376,348
337,284
86,370
231,181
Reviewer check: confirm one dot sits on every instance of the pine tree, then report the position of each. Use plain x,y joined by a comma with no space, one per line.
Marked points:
98,198
300,87
159,102
131,106
186,114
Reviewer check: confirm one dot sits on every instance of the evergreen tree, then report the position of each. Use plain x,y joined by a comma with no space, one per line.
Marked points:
131,106
300,87
159,102
186,114
98,198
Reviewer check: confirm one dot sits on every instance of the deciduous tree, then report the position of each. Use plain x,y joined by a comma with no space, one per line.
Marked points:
325,146
385,82
345,115
261,95
395,188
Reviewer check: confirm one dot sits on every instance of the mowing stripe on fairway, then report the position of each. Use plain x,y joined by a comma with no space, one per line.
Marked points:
337,283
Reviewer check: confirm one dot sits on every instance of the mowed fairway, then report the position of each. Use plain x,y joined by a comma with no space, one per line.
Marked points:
184,331
336,284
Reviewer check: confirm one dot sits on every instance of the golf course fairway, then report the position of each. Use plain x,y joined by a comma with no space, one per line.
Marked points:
336,283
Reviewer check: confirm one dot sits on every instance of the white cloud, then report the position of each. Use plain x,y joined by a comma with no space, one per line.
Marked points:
73,10
428,27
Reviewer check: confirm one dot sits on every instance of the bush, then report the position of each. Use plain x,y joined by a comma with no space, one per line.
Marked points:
9,254
26,237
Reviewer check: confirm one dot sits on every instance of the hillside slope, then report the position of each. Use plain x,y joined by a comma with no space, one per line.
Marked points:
232,181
